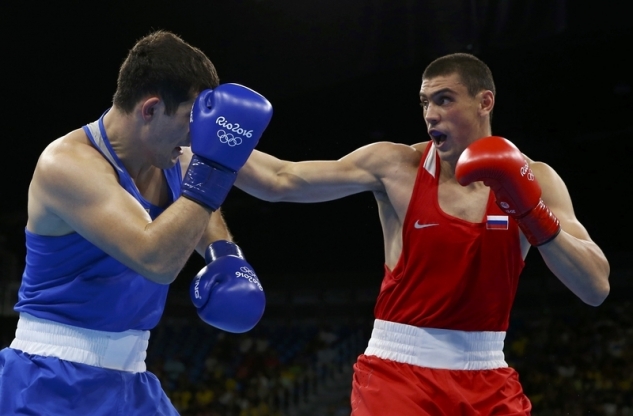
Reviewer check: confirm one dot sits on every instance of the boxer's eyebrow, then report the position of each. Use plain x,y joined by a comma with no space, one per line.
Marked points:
439,92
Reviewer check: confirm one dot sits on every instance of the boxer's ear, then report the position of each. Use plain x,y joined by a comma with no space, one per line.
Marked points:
486,102
149,107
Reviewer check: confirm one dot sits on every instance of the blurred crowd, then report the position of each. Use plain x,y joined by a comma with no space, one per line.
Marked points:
572,360
264,372
577,361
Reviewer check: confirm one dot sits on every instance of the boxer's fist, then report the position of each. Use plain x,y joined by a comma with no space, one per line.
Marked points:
501,166
225,125
227,292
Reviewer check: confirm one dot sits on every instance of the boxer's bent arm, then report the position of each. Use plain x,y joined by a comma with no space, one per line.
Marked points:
572,256
271,179
80,187
216,228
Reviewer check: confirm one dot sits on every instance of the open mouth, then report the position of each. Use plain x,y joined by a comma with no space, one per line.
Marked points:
438,137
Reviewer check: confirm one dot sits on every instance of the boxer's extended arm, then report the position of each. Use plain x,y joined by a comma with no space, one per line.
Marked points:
572,256
78,186
269,178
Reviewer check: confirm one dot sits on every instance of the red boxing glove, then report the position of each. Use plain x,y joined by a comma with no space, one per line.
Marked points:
501,166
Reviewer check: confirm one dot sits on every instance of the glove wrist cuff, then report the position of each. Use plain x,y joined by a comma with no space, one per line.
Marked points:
221,248
539,225
206,183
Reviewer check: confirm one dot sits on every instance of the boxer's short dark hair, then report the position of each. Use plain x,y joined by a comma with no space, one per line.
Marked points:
472,71
162,63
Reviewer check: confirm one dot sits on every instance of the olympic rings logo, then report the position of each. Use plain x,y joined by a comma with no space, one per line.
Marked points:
506,207
525,170
228,136
229,139
246,270
249,275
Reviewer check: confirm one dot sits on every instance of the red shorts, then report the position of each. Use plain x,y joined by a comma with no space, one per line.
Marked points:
388,388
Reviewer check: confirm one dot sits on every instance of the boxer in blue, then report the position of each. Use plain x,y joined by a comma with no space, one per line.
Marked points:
115,209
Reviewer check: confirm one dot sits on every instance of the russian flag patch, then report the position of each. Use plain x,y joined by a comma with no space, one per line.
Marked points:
496,222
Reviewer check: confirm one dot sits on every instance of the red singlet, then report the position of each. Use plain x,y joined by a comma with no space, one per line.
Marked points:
455,280
452,274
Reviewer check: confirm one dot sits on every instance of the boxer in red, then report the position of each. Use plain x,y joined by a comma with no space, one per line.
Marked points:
459,213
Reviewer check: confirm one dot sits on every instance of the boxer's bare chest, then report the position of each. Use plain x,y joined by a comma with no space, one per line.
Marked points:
467,203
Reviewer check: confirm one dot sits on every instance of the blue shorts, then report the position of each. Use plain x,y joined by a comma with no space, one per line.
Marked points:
36,385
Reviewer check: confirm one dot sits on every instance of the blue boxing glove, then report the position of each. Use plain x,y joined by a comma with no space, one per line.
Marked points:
225,126
227,292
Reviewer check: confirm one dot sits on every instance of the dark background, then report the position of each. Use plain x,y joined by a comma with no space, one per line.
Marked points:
341,74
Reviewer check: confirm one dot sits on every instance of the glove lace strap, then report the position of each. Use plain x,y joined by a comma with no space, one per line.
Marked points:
539,225
206,183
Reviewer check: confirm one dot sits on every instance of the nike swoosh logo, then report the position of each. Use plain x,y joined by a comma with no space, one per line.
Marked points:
418,225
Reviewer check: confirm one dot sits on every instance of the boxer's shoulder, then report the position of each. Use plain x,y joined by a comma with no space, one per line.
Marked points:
68,154
389,161
391,153
66,174
404,158
420,147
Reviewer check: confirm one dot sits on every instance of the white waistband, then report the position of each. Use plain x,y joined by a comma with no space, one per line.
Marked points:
437,348
125,351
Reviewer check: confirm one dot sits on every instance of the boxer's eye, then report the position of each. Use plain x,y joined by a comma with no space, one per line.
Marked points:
442,100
